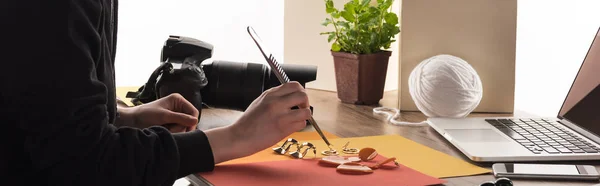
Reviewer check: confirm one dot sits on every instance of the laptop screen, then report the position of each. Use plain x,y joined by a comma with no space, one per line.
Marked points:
582,105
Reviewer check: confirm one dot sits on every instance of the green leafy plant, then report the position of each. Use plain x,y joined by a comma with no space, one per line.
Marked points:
361,28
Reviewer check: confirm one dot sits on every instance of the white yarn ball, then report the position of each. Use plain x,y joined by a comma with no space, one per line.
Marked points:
445,86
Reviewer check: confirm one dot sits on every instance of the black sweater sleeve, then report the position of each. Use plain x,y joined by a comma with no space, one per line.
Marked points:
52,94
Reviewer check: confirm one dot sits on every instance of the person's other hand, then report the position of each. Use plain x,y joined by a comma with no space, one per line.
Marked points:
266,121
173,112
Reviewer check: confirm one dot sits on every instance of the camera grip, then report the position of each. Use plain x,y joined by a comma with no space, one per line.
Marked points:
187,82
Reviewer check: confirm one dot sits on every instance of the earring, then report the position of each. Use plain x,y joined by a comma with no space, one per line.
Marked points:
297,154
283,149
349,150
330,152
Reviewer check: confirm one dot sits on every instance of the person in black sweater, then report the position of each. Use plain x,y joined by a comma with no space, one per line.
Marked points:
61,124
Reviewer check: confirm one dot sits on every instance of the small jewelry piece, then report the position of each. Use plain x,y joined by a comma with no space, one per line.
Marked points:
283,149
354,168
334,161
358,168
377,165
349,150
297,154
330,152
367,154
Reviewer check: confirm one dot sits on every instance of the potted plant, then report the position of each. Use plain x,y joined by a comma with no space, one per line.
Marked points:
362,33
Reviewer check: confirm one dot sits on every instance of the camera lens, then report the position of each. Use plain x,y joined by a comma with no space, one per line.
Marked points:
233,85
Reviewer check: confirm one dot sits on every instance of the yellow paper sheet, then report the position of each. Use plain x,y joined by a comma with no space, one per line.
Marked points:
409,153
269,155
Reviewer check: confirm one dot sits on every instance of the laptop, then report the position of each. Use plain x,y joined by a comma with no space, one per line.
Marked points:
574,134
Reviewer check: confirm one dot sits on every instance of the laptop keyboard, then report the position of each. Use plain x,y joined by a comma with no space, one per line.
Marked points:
540,135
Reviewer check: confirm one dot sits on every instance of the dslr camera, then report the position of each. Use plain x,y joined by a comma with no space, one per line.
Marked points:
187,68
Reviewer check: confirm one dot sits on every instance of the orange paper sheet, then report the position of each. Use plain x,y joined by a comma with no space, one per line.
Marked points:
269,155
409,153
308,172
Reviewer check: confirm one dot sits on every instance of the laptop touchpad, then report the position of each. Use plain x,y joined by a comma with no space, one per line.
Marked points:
475,135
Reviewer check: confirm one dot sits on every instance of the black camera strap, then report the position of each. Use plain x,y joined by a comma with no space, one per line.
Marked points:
147,92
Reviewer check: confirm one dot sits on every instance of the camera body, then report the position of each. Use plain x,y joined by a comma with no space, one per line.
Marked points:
187,68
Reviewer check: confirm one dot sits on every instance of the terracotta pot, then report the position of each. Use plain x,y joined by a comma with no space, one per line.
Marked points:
360,79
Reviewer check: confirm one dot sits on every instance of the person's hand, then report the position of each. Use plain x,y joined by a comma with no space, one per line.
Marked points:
173,112
267,120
